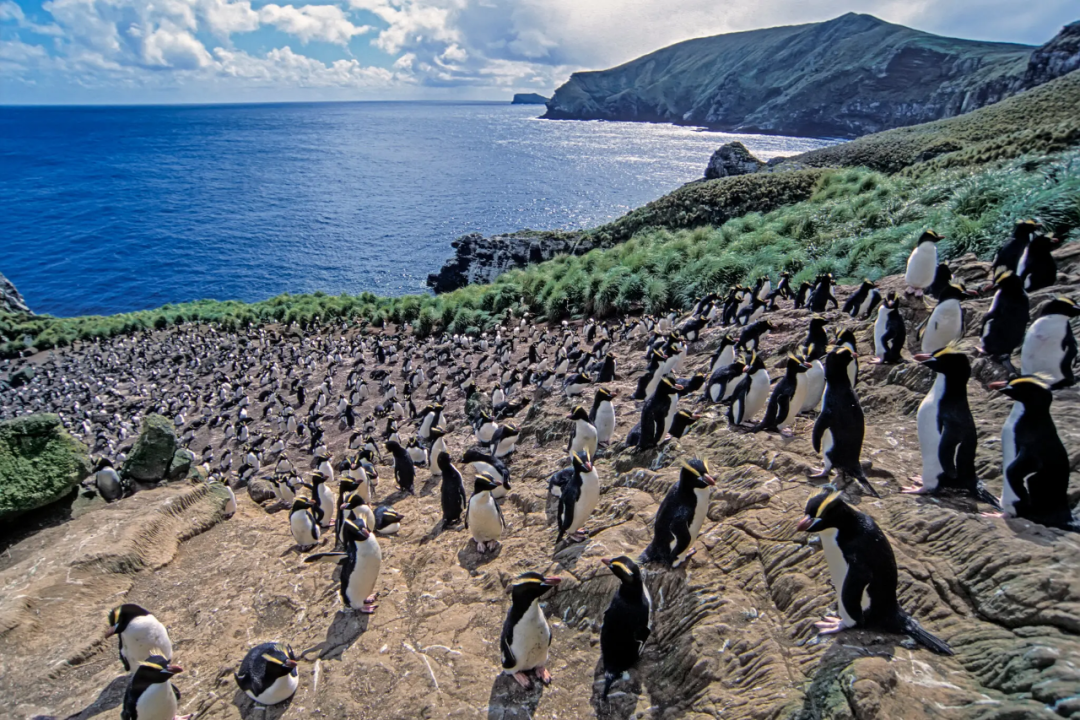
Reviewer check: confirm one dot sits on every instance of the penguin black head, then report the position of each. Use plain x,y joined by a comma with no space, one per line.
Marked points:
436,432
838,359
695,473
847,337
602,393
582,462
387,516
530,586
580,413
484,481
156,669
891,300
948,361
347,485
121,615
825,511
280,661
355,529
930,236
727,341
102,463
302,502
669,385
1008,280
1060,306
1031,390
623,568
444,461
955,291
797,364
756,363
393,447
353,501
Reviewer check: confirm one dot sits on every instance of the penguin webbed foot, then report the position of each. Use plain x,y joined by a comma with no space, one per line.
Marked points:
829,625
993,515
523,680
821,474
916,488
543,675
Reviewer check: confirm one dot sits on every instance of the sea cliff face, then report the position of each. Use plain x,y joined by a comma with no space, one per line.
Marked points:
479,259
10,298
842,78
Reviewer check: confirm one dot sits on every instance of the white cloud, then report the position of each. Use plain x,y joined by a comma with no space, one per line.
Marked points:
327,23
172,48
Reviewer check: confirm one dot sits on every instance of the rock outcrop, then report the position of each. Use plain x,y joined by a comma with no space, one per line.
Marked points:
1056,58
10,298
154,452
479,259
40,463
732,159
529,99
846,77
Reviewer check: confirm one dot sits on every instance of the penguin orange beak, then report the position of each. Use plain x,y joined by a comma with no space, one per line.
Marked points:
998,385
588,467
289,664
709,479
746,369
174,669
807,365
678,386
805,523
923,357
552,581
112,631
606,561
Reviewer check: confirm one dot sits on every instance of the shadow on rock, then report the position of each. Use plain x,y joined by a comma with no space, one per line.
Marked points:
622,700
510,701
825,686
471,560
348,625
251,710
112,696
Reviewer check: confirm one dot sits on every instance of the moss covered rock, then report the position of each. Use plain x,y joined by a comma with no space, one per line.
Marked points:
181,464
153,453
39,463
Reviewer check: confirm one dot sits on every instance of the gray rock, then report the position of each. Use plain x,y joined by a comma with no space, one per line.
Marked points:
180,465
732,159
479,259
10,299
1056,58
153,453
260,490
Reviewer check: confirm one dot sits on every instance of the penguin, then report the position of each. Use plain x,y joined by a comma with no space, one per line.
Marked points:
1050,347
484,518
680,517
602,415
1004,323
1037,266
751,393
418,454
361,563
862,301
802,294
691,329
750,338
305,528
846,338
652,372
580,463
404,470
863,571
436,435
352,507
724,354
608,370
268,673
139,633
150,694
483,463
822,294
485,427
387,520
575,384
655,413
922,263
584,436
682,422
946,322
783,288
813,351
627,621
579,498
840,427
751,313
722,382
452,492
526,637
890,333
947,436
942,278
108,482
1008,255
504,441
786,398
1034,460
324,499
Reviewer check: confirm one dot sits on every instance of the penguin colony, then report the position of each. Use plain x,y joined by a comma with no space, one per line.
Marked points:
273,414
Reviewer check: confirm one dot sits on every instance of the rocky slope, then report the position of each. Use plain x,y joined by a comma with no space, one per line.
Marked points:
846,77
10,299
733,632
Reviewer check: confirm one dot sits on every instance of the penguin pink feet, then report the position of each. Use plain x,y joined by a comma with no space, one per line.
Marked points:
995,515
523,680
579,536
543,675
829,625
917,489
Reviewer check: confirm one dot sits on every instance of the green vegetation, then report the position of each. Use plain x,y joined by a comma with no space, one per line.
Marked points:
39,463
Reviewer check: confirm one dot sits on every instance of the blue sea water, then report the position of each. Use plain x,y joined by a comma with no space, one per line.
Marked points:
113,209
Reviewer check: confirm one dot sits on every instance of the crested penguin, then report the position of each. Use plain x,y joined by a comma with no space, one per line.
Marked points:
862,301
922,263
436,434
361,563
946,323
863,571
584,435
751,393
680,517
839,429
1004,323
890,333
305,529
656,411
1008,255
579,498
682,422
649,379
268,673
627,621
452,491
139,633
822,294
387,520
787,397
108,482
602,415
722,381
525,635
1050,347
484,518
484,463
813,351
750,338
404,470
1037,266
150,694
504,441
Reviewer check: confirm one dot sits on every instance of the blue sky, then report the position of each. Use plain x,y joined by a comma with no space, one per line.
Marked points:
174,51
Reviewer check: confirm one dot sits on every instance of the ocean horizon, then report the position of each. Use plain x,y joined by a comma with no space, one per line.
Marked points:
115,208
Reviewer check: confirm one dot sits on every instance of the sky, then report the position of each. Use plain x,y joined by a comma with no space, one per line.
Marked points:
208,51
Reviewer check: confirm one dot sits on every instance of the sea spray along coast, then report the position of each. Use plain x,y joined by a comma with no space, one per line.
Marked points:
792,438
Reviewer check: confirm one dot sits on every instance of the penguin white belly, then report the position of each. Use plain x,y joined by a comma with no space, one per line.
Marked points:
437,448
827,443
326,504
1009,497
838,570
701,508
605,422
1022,265
944,326
864,306
921,266
366,573
757,396
929,436
108,483
797,400
279,691
143,634
1042,352
303,528
530,640
157,702
880,326
585,438
672,411
485,433
484,523
586,502
506,446
814,382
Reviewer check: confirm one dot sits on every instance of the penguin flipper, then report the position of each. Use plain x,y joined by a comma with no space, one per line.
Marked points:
1017,475
176,692
855,583
502,518
948,448
924,638
508,659
820,426
983,495
336,557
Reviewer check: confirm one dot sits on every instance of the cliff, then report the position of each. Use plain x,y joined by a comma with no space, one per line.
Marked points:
846,77
529,99
10,299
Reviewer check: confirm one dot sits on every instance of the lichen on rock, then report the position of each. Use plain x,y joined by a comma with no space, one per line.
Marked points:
39,463
153,453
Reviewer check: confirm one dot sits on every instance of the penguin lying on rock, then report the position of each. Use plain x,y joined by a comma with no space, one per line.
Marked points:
151,695
268,673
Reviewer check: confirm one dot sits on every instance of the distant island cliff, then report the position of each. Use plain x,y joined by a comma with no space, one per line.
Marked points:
846,77
529,99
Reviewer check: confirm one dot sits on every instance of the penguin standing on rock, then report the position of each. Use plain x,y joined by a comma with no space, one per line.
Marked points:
681,515
302,522
1037,266
404,470
722,382
890,333
484,519
682,422
504,441
627,621
139,633
787,397
452,493
1008,255
751,393
646,382
268,673
655,413
1034,460
526,635
947,436
108,482
1004,323
360,566
151,695
750,339
602,416
822,294
840,428
584,434
922,263
863,300
802,294
863,571
946,324
1050,347
579,498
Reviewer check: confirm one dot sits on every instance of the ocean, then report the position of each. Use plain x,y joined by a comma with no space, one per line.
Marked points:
114,209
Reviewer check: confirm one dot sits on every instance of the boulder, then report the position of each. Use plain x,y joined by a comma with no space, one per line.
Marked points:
732,159
39,463
153,453
181,464
261,490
